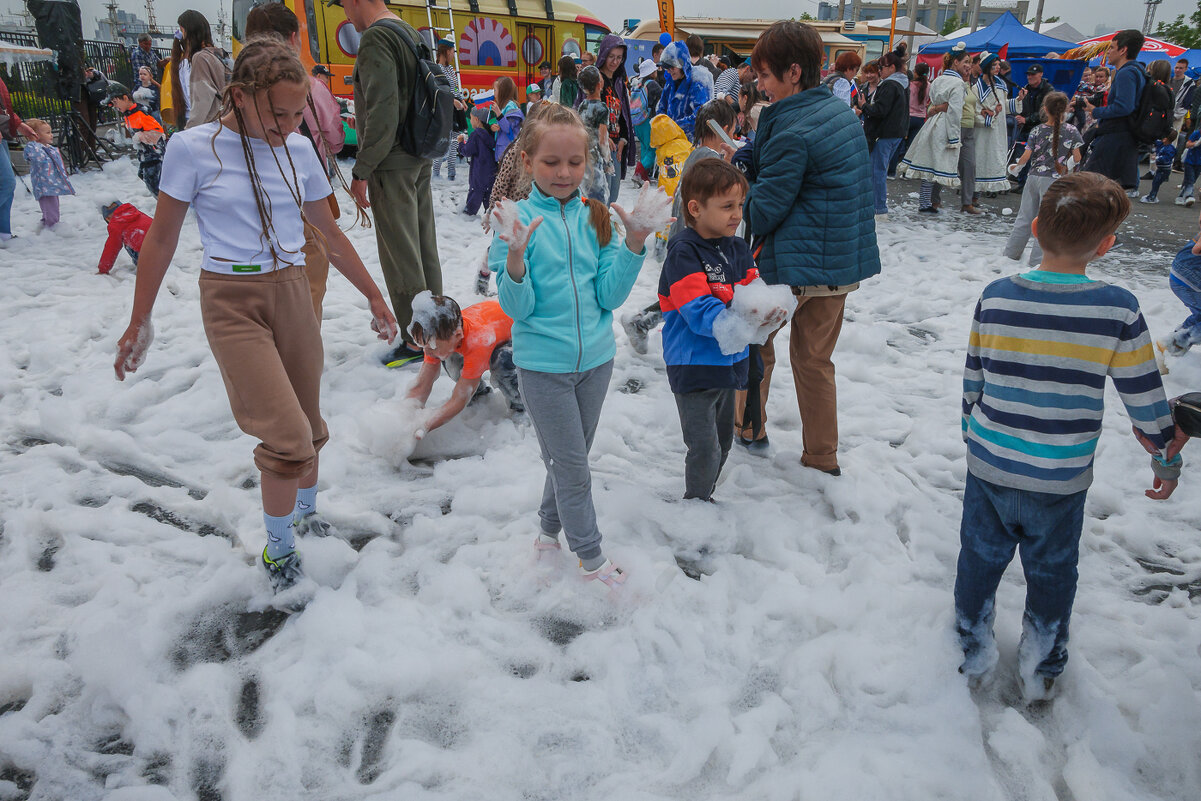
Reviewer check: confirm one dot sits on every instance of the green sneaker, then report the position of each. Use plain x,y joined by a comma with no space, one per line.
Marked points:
284,571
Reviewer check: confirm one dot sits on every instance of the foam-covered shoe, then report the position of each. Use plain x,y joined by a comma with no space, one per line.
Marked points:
608,574
283,571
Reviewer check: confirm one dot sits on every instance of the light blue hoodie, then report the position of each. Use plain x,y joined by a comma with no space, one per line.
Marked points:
562,309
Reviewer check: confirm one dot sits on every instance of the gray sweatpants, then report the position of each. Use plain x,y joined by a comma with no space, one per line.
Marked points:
1032,197
967,165
707,422
565,409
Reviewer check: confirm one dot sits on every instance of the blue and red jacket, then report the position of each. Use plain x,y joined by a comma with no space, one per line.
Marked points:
695,287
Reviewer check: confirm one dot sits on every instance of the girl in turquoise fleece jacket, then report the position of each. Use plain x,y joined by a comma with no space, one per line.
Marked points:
561,271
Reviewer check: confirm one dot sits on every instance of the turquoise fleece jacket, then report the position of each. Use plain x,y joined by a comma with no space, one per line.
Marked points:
562,309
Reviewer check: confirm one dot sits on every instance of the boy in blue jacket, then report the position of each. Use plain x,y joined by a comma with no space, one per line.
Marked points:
705,365
479,148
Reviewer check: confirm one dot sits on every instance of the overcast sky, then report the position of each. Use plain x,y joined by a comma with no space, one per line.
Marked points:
1084,15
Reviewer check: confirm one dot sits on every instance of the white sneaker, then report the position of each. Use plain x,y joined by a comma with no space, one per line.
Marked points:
1179,201
1148,199
1132,193
607,574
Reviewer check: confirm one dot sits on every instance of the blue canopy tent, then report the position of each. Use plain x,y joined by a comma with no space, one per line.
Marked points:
1006,30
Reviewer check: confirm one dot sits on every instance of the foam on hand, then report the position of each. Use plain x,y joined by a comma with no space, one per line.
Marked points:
756,311
652,210
390,430
506,223
137,354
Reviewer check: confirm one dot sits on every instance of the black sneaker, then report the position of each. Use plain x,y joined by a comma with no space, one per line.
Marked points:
401,355
928,210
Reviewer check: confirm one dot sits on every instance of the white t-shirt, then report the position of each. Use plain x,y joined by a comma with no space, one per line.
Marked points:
185,83
220,191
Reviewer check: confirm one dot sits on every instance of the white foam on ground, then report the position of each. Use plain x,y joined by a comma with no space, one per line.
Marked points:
439,661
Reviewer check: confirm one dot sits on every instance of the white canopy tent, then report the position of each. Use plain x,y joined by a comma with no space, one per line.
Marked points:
13,54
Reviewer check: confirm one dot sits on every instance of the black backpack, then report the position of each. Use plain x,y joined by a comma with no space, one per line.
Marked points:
1155,114
427,129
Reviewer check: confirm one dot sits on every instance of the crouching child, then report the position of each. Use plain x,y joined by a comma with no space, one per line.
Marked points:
466,343
705,262
127,228
1042,344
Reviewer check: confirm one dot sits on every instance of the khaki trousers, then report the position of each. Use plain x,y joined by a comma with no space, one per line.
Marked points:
812,337
316,267
405,235
266,341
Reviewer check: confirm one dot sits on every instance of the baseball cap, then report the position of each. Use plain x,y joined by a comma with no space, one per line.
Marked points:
533,88
1034,69
113,91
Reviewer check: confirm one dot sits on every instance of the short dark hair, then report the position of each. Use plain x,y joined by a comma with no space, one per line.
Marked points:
719,111
696,46
271,18
445,321
655,51
789,42
567,68
1078,211
1131,41
707,178
545,65
1183,61
589,79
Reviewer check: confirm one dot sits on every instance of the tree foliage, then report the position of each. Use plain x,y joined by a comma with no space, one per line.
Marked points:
1186,33
950,26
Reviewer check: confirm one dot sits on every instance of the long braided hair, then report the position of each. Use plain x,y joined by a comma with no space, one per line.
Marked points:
1055,105
264,62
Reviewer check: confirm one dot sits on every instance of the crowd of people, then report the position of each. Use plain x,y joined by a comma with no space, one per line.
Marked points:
768,223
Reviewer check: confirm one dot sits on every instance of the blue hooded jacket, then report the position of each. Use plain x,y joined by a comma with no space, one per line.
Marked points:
562,309
681,102
811,199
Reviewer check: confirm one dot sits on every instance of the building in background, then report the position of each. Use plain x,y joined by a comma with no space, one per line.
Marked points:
930,13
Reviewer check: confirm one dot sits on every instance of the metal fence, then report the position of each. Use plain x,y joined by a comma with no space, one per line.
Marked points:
34,86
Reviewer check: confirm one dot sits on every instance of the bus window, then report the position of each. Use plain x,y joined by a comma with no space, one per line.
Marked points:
875,49
592,37
241,8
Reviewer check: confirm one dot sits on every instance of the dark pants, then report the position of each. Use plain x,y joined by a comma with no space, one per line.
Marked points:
707,422
1045,530
150,172
502,373
1161,174
1115,155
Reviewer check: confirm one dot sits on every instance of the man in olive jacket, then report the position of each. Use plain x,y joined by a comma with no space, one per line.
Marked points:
386,177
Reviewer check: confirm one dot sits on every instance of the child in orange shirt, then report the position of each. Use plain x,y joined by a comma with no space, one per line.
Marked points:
149,135
468,343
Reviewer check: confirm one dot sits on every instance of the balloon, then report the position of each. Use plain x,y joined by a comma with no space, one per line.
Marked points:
665,39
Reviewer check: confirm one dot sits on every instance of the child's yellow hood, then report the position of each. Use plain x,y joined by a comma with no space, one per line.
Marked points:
664,129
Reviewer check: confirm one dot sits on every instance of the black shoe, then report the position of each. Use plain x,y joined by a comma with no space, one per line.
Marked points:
928,210
401,355
756,446
835,471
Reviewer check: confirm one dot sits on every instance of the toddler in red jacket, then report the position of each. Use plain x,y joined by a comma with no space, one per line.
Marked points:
126,226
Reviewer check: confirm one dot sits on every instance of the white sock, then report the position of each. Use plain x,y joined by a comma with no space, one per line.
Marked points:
280,536
306,502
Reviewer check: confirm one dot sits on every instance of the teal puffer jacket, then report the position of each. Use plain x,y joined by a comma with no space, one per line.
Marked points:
812,196
562,309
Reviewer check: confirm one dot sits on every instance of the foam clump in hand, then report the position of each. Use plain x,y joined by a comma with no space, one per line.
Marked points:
652,209
142,344
506,223
428,315
757,310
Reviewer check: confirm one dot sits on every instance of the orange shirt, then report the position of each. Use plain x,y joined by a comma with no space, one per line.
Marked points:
484,327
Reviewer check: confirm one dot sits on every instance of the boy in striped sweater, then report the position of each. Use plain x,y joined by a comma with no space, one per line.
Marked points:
1042,344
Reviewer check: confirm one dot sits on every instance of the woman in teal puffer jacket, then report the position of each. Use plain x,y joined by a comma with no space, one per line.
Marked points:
811,206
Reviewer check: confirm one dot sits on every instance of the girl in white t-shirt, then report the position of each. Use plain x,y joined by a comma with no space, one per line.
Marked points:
254,184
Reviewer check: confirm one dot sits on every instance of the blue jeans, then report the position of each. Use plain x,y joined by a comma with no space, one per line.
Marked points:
1161,174
1191,172
1045,530
915,125
881,157
1187,333
8,183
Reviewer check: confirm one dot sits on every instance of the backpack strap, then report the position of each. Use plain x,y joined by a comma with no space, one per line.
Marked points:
399,30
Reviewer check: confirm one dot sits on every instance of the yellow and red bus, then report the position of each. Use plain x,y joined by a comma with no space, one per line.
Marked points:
494,37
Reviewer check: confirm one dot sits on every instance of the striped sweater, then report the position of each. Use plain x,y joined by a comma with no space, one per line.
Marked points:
1041,347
